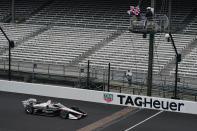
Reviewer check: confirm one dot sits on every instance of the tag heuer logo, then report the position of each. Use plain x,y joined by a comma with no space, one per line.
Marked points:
108,97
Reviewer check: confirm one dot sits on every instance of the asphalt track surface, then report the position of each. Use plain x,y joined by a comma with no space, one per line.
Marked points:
164,121
13,117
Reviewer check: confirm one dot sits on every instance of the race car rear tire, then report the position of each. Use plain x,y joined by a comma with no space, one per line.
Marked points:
64,114
29,110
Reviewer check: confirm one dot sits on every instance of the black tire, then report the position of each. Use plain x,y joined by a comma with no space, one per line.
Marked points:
64,114
29,110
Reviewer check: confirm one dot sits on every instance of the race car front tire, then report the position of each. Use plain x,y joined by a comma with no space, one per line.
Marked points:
64,114
29,110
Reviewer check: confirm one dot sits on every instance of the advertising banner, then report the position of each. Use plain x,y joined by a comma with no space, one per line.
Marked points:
121,99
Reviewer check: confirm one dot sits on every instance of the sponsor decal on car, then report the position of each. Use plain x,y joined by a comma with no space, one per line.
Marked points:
108,97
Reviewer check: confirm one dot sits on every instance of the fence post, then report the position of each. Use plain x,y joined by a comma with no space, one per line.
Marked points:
88,75
4,65
48,69
64,70
18,64
108,82
103,80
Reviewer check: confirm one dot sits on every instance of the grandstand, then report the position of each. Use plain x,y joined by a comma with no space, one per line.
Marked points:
59,45
52,36
130,51
17,32
4,10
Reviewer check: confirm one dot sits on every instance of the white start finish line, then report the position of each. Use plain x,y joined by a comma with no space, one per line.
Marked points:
122,99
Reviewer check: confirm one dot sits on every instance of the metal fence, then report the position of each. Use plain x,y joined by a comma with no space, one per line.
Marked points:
103,79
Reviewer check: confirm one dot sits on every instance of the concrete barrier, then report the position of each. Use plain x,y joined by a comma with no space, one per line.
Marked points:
100,96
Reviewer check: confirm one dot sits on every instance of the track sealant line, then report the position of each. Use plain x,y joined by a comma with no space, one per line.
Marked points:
107,119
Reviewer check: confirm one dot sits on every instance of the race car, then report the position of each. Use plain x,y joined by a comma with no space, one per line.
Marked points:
32,106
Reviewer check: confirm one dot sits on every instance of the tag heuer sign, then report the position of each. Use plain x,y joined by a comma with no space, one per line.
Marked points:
108,97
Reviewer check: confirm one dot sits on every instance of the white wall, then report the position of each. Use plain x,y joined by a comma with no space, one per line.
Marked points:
98,96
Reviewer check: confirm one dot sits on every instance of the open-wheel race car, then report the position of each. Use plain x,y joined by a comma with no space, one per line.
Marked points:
32,106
